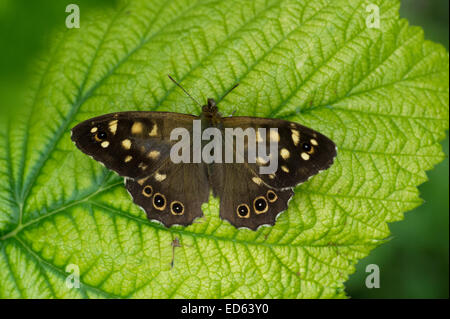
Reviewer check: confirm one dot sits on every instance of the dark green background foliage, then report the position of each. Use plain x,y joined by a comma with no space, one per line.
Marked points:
24,27
414,262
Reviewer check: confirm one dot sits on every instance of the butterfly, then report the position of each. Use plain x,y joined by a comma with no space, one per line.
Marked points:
138,146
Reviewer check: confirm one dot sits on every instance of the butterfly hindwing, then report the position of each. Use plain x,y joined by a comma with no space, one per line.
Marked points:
172,195
249,202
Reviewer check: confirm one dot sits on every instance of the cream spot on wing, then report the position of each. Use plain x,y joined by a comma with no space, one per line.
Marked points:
126,144
285,153
105,144
261,161
142,166
160,177
154,130
257,180
271,176
305,156
154,154
274,136
137,128
94,129
113,126
259,139
285,169
295,137
313,142
142,180
128,158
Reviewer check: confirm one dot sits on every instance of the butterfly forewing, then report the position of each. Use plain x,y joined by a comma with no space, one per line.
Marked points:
133,144
300,153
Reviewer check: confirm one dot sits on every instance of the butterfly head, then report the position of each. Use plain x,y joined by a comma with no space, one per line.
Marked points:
210,109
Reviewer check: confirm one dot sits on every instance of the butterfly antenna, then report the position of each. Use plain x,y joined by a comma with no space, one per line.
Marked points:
187,93
235,86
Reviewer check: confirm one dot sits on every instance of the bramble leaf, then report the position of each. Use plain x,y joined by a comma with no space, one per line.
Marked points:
381,94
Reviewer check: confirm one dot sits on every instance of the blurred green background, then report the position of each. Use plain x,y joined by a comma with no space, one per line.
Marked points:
25,26
413,264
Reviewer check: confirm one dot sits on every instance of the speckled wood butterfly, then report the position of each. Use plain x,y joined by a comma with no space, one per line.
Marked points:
137,145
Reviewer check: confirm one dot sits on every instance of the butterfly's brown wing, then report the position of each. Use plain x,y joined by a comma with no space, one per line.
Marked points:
137,146
245,201
133,144
301,152
173,195
242,188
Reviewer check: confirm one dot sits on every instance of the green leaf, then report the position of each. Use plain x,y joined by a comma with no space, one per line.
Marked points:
380,94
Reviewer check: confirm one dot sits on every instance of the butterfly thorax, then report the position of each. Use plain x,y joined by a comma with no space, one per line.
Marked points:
210,115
